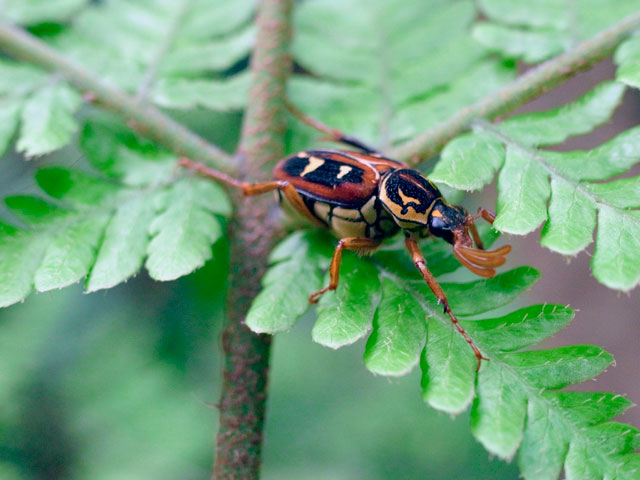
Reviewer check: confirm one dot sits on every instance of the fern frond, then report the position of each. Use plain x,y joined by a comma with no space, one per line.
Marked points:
627,57
538,30
34,12
392,73
159,50
104,227
571,182
43,106
516,402
154,47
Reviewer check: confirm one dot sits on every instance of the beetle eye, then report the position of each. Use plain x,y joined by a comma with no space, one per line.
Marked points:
445,219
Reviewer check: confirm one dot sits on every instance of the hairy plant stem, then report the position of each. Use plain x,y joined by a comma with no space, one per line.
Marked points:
244,389
140,116
518,92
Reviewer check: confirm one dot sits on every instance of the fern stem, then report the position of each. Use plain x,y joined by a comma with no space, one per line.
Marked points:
143,118
518,92
244,388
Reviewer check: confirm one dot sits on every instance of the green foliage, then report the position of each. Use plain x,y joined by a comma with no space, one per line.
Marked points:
165,51
33,12
537,30
102,227
515,400
385,73
564,189
627,57
43,106
160,49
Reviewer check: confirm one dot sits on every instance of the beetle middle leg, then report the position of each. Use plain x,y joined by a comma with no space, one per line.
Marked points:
421,264
332,133
358,244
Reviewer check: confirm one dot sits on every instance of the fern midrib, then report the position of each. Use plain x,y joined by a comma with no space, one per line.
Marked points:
533,154
572,28
384,86
150,76
533,393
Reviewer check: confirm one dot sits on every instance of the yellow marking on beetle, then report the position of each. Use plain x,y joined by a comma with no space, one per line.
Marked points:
314,164
436,213
347,214
302,155
407,199
368,211
344,170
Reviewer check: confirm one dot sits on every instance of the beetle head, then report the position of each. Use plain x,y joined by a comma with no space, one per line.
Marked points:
456,226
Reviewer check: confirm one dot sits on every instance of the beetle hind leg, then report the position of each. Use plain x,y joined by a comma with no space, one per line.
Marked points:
248,189
421,264
332,134
358,244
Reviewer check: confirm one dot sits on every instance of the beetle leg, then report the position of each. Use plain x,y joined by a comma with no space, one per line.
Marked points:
421,264
248,189
333,134
487,215
358,244
476,236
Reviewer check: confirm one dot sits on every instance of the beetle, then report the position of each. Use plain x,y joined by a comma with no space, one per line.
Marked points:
363,198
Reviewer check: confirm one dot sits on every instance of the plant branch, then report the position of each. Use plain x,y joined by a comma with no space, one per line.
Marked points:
518,92
244,388
142,117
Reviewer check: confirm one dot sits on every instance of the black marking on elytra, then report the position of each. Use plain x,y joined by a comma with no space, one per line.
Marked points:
326,174
413,185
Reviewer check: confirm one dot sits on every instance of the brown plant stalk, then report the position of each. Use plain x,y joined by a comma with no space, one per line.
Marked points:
244,388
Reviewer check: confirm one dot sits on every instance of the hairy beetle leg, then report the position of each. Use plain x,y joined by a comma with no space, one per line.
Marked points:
203,169
487,215
248,189
421,264
358,244
333,134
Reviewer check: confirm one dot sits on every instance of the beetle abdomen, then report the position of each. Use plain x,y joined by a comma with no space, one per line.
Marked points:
370,220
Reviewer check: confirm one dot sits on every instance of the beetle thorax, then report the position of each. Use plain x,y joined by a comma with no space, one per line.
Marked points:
409,197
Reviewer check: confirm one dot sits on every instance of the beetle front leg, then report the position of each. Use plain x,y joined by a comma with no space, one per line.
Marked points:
358,244
421,264
488,216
